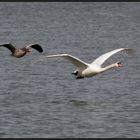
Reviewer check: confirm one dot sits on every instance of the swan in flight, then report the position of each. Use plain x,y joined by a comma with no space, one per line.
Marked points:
20,52
88,70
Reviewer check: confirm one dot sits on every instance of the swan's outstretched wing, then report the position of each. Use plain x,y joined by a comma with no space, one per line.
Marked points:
36,47
9,46
75,61
101,59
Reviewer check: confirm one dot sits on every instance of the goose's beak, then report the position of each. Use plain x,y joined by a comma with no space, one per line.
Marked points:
29,51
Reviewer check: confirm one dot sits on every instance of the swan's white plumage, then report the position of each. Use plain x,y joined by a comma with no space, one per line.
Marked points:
75,61
101,59
89,70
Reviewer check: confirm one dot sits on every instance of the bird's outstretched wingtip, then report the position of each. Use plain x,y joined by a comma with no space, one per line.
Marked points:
6,43
36,47
130,51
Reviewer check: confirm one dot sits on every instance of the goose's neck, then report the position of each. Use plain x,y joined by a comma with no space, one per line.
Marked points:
108,67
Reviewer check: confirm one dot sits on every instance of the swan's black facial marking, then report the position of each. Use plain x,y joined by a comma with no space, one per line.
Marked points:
120,64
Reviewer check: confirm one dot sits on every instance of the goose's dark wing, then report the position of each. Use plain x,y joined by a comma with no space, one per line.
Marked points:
36,47
9,46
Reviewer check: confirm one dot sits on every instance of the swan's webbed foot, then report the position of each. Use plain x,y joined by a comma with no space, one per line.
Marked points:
79,77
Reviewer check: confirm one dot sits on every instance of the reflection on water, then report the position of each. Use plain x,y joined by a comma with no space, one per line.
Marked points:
93,104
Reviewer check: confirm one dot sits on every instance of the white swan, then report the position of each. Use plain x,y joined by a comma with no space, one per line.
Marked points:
88,70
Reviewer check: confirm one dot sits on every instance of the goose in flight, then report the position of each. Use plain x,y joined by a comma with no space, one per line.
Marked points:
20,52
88,70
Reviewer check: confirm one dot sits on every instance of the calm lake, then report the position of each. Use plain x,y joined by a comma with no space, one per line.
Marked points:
44,100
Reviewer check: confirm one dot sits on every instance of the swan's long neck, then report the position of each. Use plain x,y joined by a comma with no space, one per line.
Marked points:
108,67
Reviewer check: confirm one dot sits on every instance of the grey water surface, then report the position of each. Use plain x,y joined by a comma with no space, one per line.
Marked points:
44,100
